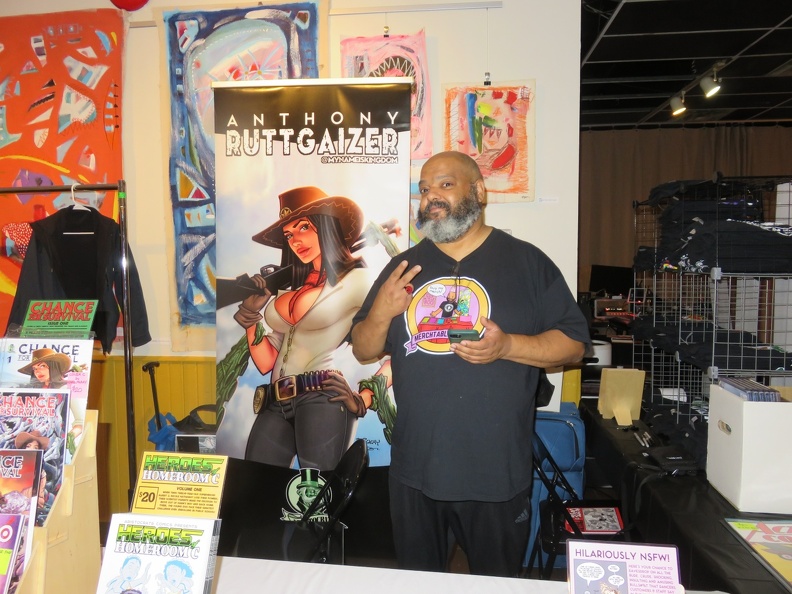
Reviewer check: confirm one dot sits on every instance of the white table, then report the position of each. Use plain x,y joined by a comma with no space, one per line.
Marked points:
236,575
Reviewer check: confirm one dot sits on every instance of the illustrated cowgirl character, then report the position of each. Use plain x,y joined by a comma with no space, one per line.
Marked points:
47,368
309,321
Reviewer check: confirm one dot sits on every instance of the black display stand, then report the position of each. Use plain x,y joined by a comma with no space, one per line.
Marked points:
254,499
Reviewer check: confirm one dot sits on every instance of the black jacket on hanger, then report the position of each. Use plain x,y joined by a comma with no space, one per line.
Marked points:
76,254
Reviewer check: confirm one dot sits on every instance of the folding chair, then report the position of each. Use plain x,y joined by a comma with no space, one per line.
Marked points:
334,497
556,522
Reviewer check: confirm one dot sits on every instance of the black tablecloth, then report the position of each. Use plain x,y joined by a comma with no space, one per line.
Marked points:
681,510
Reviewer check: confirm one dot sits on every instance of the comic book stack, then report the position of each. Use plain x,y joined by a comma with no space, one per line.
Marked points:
749,389
169,540
43,401
23,493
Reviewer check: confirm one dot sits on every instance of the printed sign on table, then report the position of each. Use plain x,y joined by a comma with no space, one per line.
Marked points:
601,566
59,318
180,484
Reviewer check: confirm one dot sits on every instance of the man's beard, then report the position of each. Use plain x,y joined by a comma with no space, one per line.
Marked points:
457,221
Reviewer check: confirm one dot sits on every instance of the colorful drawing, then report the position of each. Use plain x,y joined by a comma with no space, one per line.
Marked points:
495,126
273,42
60,122
443,305
396,55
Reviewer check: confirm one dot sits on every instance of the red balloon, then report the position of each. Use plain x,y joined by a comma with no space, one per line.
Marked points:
130,4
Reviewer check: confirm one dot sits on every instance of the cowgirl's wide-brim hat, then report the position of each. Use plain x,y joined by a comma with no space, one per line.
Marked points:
24,437
309,200
61,361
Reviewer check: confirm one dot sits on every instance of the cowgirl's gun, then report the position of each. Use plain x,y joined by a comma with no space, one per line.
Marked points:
234,290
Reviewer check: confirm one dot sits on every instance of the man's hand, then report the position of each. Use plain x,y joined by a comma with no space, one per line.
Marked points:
492,346
393,298
551,348
395,294
248,314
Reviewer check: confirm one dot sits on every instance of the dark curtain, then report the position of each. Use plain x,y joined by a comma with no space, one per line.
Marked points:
620,167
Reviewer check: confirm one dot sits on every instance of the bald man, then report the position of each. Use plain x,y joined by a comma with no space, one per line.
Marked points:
461,446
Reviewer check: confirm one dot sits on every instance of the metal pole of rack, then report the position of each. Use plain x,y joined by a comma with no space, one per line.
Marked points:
130,402
51,189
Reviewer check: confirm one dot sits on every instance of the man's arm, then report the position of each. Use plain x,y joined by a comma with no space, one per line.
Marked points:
368,338
369,335
548,349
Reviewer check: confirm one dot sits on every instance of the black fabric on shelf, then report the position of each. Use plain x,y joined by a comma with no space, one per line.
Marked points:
696,341
733,246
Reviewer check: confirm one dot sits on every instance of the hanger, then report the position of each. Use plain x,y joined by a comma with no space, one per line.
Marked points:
75,207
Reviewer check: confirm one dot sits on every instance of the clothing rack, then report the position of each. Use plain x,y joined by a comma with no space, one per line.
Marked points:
120,188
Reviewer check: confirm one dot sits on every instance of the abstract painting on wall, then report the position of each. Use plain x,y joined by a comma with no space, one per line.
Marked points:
496,126
396,55
270,42
60,122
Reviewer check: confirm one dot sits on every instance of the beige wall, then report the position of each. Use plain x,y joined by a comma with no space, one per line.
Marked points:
524,39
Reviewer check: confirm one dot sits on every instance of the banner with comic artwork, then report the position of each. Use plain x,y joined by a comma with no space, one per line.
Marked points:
312,195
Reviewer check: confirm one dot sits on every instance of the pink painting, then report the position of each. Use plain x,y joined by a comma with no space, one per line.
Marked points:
396,55
495,126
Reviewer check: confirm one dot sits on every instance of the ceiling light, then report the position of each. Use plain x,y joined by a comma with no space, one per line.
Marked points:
677,105
710,86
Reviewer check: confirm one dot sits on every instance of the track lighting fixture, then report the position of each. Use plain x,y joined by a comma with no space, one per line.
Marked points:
678,104
710,86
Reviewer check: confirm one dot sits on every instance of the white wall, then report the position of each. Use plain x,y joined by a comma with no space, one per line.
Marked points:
524,39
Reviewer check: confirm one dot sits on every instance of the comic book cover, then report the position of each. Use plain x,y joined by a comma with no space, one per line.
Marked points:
21,484
770,541
32,419
51,363
11,527
596,520
166,554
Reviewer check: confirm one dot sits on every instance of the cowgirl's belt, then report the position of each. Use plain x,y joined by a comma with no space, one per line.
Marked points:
288,387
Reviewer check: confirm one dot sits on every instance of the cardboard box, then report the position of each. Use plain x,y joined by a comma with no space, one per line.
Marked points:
747,452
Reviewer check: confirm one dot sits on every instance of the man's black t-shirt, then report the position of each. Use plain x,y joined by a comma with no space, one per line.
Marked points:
463,431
